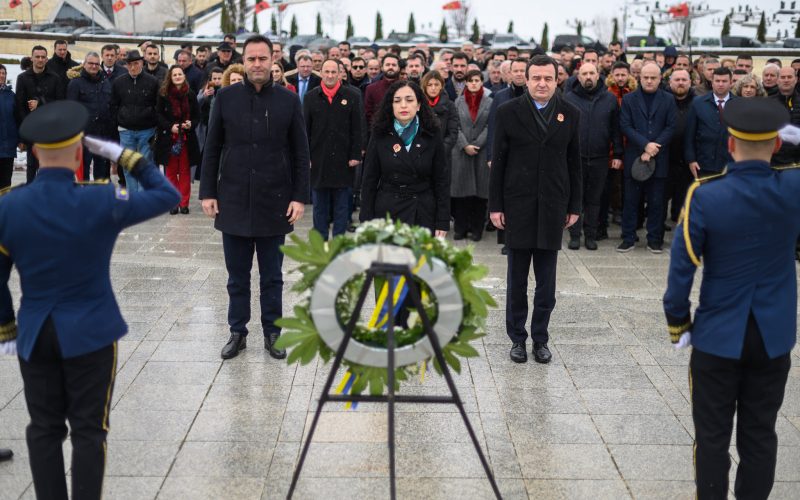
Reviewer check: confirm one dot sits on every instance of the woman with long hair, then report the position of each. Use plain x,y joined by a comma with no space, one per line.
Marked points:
469,186
445,110
176,141
405,169
234,74
749,86
279,77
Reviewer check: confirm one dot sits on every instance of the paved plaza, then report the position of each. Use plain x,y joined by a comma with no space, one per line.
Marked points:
608,418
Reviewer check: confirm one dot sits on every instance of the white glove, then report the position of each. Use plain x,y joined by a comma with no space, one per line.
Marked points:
107,149
790,134
9,348
685,341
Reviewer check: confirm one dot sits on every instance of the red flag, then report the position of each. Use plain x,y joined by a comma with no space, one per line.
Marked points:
680,10
36,4
261,6
135,3
452,6
282,7
118,6
14,3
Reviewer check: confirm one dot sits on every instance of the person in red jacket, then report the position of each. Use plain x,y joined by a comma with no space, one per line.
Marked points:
390,65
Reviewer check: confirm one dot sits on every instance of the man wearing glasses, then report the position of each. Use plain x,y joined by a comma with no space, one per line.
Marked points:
358,73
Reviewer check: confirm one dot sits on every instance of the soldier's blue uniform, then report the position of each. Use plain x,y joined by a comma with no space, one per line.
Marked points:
60,235
742,224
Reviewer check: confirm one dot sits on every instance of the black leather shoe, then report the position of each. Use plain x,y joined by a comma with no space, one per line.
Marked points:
541,353
184,210
459,236
518,353
490,227
590,244
269,342
173,210
504,250
476,236
602,234
574,242
236,343
6,454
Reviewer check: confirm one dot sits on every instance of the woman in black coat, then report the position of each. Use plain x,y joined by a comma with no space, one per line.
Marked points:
443,108
176,141
405,170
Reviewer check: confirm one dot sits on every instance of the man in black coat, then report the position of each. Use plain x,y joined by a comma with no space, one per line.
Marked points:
679,176
36,87
61,62
254,183
333,118
789,96
599,134
534,192
93,90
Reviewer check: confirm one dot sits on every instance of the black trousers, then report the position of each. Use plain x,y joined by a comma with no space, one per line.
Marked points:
678,181
75,389
33,164
469,215
595,172
751,387
102,167
6,170
239,261
544,297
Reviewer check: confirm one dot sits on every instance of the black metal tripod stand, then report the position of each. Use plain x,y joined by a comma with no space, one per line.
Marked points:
388,271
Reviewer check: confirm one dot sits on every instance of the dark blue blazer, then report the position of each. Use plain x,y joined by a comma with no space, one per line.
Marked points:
9,117
743,226
640,128
706,137
60,235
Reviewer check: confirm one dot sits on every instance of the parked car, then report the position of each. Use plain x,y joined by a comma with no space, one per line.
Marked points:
422,38
396,37
302,40
646,41
321,43
739,41
359,40
560,41
791,43
506,40
706,42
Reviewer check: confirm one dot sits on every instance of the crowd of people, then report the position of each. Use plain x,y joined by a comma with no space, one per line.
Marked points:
670,121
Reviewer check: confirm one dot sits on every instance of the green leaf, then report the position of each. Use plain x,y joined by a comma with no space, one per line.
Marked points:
451,360
288,339
463,349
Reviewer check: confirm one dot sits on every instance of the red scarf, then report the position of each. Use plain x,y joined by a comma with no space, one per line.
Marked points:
179,100
433,103
331,93
473,102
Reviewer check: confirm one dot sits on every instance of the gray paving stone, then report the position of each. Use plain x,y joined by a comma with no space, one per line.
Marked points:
566,461
552,428
641,429
211,488
559,489
654,462
223,459
662,490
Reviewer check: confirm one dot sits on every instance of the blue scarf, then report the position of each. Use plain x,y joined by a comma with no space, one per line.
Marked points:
408,132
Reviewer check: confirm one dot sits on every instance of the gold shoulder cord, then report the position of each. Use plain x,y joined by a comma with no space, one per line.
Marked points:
101,182
687,208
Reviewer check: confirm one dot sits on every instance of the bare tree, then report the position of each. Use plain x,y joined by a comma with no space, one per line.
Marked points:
602,27
333,11
459,18
180,11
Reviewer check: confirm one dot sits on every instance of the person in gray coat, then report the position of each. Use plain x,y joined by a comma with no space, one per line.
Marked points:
469,185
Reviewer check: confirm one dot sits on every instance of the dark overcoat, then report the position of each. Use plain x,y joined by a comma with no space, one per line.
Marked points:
535,177
445,111
164,130
411,186
334,136
640,127
470,174
255,160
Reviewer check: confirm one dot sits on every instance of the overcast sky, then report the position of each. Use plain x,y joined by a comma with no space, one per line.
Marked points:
529,16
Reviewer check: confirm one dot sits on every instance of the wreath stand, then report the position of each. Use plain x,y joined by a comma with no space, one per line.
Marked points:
388,271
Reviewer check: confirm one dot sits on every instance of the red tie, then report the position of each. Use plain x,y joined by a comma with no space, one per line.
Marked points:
720,102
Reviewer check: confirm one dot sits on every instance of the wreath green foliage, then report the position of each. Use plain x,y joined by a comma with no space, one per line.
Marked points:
301,335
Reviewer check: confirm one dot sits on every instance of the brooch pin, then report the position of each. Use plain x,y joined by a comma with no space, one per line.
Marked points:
396,148
560,117
344,102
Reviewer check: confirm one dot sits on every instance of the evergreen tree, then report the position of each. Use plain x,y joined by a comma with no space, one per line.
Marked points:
615,31
255,23
223,18
293,28
273,24
511,26
240,15
476,32
412,25
797,29
545,42
443,32
579,29
319,24
378,26
350,29
726,26
652,31
761,31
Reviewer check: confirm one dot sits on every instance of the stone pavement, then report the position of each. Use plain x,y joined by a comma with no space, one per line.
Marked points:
609,418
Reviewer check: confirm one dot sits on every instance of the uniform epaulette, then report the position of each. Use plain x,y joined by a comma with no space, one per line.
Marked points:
714,177
8,189
101,182
792,166
687,205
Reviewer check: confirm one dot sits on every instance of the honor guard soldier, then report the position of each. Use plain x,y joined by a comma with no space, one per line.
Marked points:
745,323
69,322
